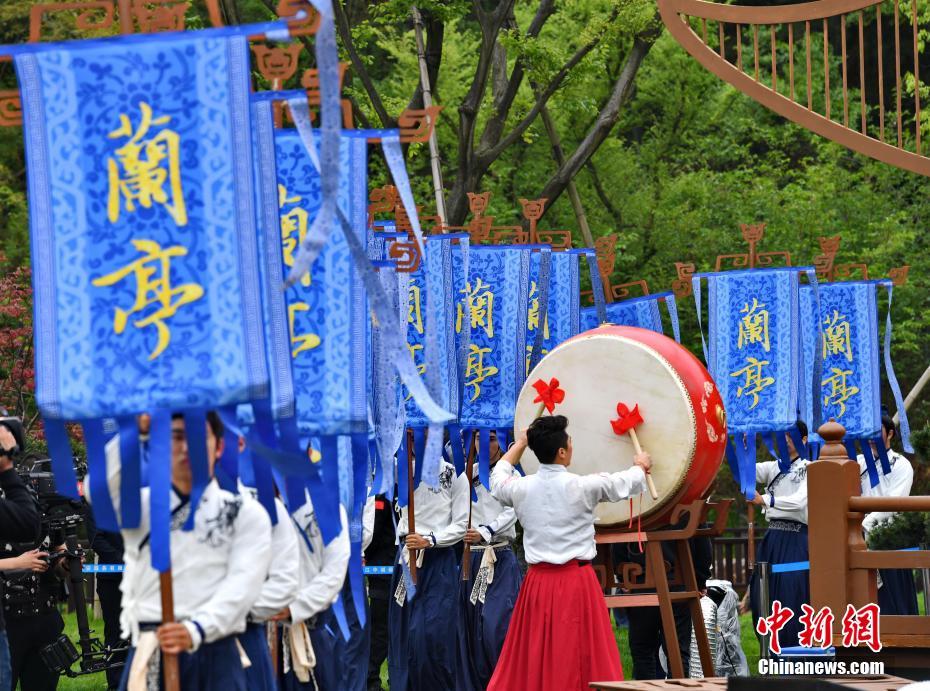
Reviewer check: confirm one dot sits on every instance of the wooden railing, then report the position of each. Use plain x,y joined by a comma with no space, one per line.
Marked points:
842,569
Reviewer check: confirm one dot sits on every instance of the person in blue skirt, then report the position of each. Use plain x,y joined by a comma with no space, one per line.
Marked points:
784,502
487,598
422,629
897,593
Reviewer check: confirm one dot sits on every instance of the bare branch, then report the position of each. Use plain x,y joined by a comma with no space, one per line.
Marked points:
604,123
345,33
602,195
488,156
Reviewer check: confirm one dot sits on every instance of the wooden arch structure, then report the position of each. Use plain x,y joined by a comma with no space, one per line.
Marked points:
775,54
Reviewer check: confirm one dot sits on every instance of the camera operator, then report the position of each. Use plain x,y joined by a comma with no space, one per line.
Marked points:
19,522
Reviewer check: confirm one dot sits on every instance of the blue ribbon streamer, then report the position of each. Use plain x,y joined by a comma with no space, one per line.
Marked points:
130,499
359,498
597,287
542,288
784,458
419,452
104,513
393,334
324,490
484,457
339,611
870,465
883,455
893,380
672,308
196,432
817,378
803,448
59,448
327,61
160,490
455,444
403,474
696,290
227,469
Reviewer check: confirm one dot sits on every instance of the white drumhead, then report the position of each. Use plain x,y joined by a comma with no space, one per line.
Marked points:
597,372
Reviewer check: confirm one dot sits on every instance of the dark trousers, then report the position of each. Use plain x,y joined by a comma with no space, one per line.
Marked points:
28,636
378,614
647,636
110,599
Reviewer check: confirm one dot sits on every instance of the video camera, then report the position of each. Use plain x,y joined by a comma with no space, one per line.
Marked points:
61,518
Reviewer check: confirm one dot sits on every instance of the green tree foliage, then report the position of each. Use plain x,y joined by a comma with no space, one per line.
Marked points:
688,159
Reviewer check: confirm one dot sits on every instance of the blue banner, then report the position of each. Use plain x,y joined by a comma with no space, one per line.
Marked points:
754,347
851,353
492,311
431,295
851,375
327,308
561,315
143,225
753,352
642,312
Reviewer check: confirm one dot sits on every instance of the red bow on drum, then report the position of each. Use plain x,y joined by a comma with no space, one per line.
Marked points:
550,395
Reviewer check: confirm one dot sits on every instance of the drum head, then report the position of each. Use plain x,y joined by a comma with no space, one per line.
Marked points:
597,371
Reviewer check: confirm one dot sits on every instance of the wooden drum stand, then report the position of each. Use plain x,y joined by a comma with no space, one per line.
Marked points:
660,576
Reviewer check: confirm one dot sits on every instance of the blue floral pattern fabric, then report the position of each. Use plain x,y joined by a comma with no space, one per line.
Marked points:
327,308
642,312
850,389
146,264
492,308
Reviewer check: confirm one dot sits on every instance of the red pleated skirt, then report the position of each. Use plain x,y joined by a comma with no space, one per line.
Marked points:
560,638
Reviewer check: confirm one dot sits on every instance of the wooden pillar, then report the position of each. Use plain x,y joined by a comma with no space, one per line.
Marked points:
831,481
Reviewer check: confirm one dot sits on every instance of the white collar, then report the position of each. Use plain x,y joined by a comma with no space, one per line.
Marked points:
553,467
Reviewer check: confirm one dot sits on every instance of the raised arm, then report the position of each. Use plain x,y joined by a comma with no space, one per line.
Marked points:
503,477
615,486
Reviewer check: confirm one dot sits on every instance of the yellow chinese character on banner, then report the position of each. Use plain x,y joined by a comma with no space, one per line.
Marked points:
147,168
153,288
479,301
476,371
754,383
300,342
840,391
754,327
836,340
294,222
532,321
415,315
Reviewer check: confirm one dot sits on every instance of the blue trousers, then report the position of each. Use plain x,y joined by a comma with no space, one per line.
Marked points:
6,672
352,655
784,542
482,627
324,635
214,667
898,594
421,647
260,675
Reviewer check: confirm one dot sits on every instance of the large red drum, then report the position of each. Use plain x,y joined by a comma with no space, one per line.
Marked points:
684,423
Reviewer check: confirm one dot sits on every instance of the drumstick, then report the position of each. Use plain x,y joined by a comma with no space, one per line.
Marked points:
626,424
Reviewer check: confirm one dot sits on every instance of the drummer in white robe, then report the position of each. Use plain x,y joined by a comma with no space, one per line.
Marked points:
421,644
487,598
897,593
784,502
309,637
218,569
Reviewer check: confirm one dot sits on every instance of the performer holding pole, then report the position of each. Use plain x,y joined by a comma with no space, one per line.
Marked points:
218,571
421,647
560,635
487,597
785,506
